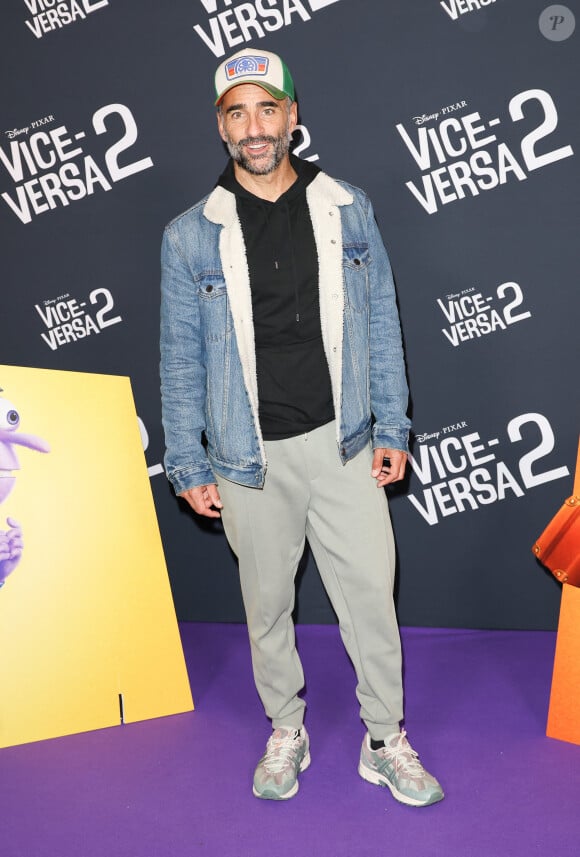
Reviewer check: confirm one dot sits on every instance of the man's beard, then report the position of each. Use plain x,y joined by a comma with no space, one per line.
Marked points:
264,164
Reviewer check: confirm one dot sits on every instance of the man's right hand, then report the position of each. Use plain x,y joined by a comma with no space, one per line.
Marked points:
204,499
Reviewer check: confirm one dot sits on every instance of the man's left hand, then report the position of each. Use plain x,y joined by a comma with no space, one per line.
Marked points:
386,474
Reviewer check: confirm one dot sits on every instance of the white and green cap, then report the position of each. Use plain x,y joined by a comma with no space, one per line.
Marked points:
252,66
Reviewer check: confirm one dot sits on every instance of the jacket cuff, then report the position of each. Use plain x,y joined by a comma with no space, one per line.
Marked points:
190,477
388,437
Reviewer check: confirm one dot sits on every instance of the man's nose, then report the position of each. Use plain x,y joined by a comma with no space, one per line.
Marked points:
255,125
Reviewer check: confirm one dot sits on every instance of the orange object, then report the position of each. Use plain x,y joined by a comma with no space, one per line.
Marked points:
564,711
558,548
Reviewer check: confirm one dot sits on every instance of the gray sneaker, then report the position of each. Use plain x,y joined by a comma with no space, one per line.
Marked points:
287,753
397,766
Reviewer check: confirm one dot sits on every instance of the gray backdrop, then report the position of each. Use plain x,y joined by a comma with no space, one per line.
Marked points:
459,118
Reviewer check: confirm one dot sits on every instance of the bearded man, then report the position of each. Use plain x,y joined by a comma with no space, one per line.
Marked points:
284,408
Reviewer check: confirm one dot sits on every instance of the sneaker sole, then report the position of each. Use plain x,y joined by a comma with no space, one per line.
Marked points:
270,794
378,780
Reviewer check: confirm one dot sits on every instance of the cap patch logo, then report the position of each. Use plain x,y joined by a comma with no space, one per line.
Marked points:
246,65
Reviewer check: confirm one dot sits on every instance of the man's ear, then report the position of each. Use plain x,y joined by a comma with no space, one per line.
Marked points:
293,117
220,123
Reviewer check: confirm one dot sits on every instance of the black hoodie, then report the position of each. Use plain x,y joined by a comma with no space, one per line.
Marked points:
294,390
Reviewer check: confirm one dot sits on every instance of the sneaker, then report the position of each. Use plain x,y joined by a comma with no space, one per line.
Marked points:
397,766
287,753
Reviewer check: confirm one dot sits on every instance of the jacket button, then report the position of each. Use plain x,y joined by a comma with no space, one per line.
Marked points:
356,261
209,288
332,241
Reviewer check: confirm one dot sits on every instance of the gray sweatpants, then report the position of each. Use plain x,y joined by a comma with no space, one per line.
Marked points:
309,493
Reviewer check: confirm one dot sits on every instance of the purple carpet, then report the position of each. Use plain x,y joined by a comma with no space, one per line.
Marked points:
476,705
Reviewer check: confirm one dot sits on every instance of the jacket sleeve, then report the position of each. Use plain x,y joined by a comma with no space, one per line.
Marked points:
183,371
389,393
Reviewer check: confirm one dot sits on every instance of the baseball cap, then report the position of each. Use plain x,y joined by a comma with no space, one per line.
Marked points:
263,68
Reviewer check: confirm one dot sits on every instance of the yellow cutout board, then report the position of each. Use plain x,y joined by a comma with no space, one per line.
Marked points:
86,614
564,711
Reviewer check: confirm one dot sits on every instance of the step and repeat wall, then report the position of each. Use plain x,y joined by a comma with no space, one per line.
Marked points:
460,118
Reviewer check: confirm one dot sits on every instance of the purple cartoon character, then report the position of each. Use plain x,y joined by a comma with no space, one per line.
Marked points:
11,539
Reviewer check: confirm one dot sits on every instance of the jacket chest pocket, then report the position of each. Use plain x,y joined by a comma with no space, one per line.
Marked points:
355,263
214,307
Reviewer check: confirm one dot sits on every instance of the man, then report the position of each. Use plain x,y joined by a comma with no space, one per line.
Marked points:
284,399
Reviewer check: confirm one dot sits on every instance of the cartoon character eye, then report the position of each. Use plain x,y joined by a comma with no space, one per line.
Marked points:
9,416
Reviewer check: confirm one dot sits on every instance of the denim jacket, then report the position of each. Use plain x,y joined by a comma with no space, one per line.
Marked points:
208,364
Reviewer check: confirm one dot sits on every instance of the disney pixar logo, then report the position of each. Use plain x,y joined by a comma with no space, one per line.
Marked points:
443,111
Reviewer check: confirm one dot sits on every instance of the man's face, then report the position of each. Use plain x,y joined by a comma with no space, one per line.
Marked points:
256,128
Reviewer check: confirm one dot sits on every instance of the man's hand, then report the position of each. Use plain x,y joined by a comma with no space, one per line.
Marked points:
205,500
386,474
